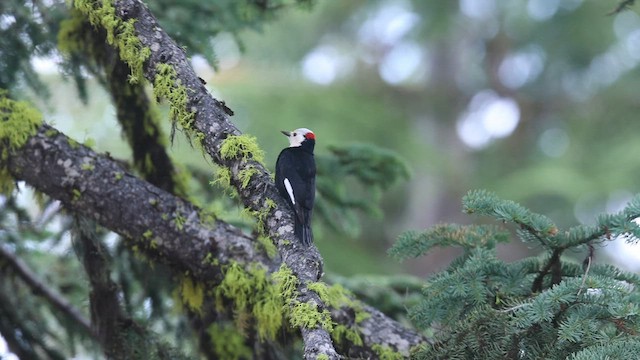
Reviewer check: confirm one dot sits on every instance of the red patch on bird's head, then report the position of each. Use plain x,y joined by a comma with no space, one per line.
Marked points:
310,136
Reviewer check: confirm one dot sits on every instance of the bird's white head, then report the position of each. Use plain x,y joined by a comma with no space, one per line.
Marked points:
297,136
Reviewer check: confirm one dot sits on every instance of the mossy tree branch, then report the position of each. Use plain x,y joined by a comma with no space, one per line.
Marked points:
134,109
205,119
97,187
163,226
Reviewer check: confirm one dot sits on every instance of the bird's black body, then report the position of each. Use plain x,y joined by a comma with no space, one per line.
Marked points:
297,165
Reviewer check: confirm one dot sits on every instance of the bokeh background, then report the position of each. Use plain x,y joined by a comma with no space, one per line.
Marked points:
535,100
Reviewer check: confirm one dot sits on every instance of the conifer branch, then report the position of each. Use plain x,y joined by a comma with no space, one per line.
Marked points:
22,270
554,265
622,6
524,313
120,336
586,265
107,316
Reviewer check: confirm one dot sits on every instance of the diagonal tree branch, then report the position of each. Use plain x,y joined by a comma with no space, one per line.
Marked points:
162,225
23,271
165,227
211,127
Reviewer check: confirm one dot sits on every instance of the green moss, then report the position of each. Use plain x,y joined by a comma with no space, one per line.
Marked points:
269,300
269,204
228,342
267,307
341,332
121,34
386,353
87,166
222,179
72,143
252,293
179,220
192,294
118,175
268,246
208,216
76,194
18,122
200,137
337,296
244,147
236,285
147,234
245,175
322,357
307,315
334,296
166,85
211,259
51,132
70,35
90,143
286,282
361,315
260,215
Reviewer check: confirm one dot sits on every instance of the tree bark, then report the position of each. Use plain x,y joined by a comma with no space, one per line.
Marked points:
163,226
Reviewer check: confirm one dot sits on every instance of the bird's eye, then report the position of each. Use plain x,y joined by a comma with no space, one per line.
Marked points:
294,134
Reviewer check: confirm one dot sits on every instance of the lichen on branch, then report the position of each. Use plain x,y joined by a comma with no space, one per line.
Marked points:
18,122
120,33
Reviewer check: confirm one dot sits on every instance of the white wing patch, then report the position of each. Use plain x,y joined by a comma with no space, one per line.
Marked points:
287,185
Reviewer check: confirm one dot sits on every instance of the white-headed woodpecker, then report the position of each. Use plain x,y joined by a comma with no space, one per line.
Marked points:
296,179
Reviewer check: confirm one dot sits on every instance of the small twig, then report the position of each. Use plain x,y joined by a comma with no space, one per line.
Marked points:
622,6
39,288
107,315
47,214
533,232
514,308
554,262
587,265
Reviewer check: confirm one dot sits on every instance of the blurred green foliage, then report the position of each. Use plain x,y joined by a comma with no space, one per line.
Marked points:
579,72
404,76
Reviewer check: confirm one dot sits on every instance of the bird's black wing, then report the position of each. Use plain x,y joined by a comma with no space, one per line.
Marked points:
292,167
295,180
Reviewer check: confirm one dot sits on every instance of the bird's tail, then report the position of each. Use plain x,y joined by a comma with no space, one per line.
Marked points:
303,230
307,235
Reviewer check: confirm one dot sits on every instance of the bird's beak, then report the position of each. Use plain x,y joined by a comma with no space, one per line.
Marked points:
286,133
